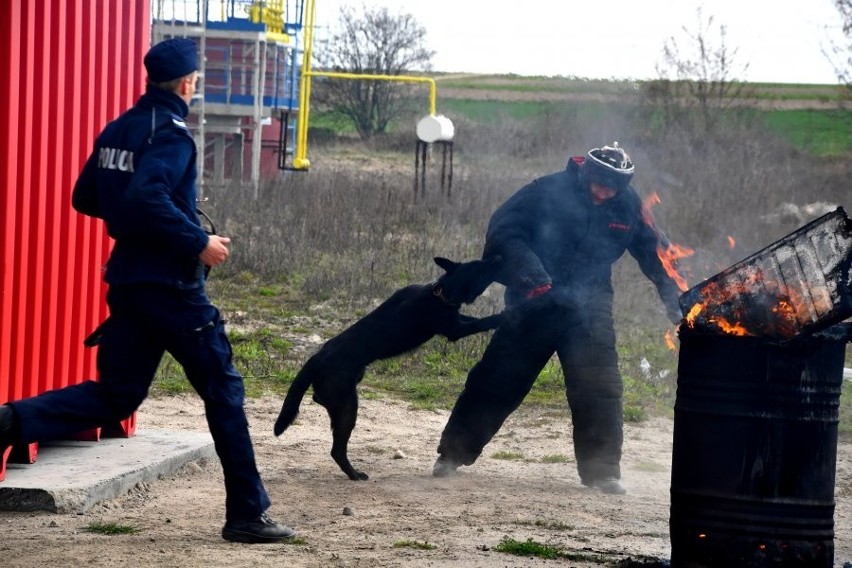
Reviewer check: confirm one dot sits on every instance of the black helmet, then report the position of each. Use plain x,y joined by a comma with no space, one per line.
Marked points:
609,166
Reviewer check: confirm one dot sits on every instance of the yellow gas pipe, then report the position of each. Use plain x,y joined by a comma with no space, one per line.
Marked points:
300,160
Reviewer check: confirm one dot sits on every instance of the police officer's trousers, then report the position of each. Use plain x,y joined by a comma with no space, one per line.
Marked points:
145,322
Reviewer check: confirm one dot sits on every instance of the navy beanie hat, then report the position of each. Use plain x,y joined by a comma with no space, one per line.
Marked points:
609,166
171,59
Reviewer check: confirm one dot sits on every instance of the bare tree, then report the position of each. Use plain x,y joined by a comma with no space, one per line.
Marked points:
697,73
840,55
845,9
372,42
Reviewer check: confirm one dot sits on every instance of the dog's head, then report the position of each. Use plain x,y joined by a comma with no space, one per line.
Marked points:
464,282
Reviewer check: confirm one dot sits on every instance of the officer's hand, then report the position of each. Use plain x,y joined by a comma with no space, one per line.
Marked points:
216,251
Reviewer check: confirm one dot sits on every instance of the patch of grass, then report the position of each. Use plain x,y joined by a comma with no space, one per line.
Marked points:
170,378
493,112
546,551
649,387
549,387
429,378
416,544
634,414
518,83
845,426
283,377
820,132
367,394
333,121
528,548
110,529
259,356
555,458
510,456
424,392
551,525
797,91
244,292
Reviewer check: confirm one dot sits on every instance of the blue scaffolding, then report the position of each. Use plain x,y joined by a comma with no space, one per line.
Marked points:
249,79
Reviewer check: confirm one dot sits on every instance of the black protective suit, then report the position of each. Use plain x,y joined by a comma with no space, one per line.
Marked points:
551,232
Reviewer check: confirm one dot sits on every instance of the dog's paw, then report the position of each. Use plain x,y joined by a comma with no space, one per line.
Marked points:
359,476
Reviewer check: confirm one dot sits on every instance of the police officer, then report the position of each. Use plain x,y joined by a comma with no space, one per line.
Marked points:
140,179
559,237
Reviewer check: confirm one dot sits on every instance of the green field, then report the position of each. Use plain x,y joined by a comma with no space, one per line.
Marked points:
820,132
811,117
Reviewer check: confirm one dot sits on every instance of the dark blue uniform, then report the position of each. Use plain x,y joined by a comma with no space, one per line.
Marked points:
140,179
551,232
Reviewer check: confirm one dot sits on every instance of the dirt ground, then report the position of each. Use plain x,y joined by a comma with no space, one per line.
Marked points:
537,496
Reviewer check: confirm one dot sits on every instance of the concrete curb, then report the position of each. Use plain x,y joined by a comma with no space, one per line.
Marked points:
71,477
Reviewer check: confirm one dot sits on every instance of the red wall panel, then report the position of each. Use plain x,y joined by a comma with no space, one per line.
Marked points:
71,66
9,100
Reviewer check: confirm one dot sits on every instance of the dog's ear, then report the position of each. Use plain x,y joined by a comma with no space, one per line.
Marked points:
445,263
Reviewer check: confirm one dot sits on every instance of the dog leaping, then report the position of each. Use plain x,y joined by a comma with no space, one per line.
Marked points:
402,323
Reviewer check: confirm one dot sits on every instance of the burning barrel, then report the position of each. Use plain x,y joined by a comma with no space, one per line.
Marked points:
759,378
755,447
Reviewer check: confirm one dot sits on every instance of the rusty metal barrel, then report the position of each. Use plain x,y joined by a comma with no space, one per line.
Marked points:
755,451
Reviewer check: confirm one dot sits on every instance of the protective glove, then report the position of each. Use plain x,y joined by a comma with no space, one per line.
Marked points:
539,290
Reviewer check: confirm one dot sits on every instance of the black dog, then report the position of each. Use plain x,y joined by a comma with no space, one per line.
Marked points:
403,322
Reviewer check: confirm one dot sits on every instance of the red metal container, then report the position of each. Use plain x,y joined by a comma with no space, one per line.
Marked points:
70,66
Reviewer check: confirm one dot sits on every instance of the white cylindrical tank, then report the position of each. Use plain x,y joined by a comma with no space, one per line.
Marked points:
435,127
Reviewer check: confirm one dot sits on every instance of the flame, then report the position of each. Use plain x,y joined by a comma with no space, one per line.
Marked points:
647,203
784,309
731,242
752,305
669,339
693,313
731,328
669,253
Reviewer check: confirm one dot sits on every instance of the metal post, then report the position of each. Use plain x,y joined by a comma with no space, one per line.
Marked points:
451,144
219,159
259,83
416,166
423,148
443,165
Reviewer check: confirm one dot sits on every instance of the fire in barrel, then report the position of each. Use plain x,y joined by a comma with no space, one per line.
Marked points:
759,377
797,285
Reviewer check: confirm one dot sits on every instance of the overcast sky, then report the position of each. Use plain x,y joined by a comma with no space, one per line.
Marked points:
780,40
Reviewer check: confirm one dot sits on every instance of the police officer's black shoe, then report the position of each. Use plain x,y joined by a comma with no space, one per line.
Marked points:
259,530
7,427
444,467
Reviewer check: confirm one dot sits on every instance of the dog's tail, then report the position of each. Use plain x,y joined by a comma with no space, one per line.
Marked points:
290,408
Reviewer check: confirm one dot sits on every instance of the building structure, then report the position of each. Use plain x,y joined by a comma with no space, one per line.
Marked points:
245,113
